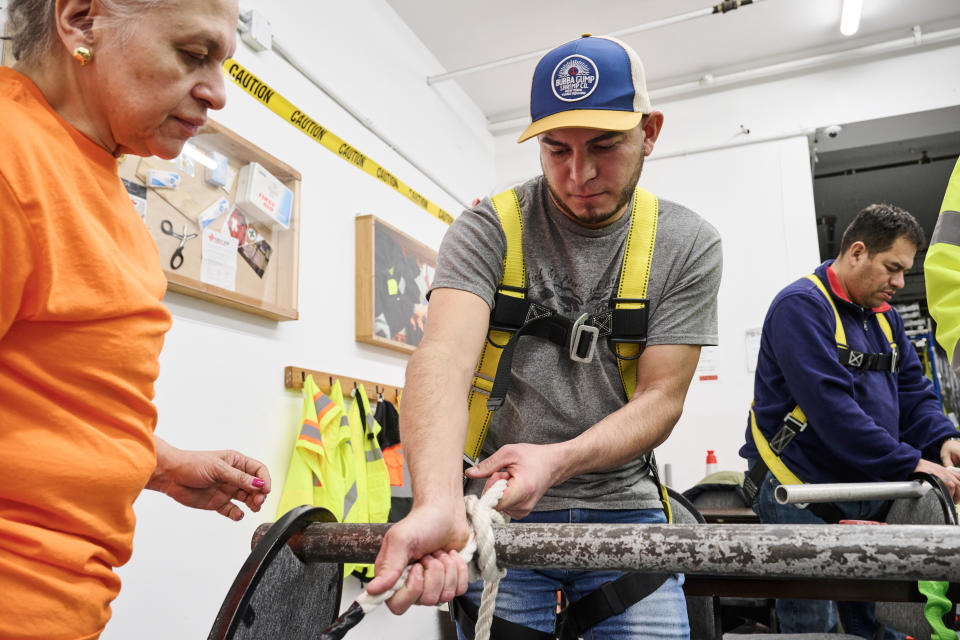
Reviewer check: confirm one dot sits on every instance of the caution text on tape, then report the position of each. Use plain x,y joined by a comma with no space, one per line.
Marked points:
283,108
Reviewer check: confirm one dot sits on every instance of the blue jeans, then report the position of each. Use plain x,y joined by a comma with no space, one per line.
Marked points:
529,597
820,616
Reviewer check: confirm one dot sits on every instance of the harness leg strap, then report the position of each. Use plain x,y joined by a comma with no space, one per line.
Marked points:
464,613
612,599
540,322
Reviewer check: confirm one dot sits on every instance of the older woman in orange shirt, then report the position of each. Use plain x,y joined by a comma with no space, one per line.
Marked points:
81,319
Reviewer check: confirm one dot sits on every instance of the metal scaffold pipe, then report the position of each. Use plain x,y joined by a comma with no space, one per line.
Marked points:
893,552
848,492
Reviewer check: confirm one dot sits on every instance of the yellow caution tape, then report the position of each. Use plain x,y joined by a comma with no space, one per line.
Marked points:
283,108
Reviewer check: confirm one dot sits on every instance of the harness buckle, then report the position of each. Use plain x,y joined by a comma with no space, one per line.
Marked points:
577,346
791,427
894,358
793,424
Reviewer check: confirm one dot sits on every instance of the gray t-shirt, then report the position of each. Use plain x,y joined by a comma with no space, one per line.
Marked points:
573,270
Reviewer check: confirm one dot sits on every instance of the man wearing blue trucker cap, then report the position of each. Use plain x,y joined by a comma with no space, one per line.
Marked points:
613,293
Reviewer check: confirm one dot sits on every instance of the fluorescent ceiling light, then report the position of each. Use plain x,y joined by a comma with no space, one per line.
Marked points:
199,156
850,16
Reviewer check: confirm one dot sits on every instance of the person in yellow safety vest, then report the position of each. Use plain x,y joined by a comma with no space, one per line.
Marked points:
942,271
318,474
571,445
372,478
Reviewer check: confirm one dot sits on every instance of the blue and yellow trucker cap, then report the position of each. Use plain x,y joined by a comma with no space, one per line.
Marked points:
596,82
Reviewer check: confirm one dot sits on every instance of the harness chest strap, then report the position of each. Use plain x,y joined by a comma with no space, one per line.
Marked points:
857,359
624,325
795,422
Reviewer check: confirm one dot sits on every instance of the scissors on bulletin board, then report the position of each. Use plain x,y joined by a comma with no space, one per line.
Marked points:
177,258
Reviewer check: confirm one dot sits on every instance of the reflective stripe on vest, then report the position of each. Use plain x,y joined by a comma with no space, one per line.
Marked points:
315,475
373,480
942,271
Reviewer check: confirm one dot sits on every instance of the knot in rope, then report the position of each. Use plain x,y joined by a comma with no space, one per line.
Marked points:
482,515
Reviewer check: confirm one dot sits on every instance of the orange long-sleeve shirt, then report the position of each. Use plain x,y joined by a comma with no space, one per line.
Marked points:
81,327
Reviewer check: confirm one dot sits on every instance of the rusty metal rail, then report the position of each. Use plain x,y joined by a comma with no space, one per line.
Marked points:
824,552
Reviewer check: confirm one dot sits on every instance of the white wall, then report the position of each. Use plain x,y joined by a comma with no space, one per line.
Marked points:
221,383
760,198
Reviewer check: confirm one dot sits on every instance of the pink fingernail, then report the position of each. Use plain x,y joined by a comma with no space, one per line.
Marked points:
258,483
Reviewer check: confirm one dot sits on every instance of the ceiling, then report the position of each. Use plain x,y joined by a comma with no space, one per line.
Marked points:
462,34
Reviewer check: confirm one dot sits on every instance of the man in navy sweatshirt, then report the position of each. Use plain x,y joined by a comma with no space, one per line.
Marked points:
847,404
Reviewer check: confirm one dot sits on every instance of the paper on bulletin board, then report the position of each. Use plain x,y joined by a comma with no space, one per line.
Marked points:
708,368
752,342
219,265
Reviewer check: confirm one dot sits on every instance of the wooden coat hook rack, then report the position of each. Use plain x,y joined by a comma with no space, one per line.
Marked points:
293,378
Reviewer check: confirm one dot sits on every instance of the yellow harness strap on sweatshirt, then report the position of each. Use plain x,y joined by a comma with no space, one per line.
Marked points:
796,416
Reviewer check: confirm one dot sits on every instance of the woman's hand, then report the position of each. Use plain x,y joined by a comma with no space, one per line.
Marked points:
210,479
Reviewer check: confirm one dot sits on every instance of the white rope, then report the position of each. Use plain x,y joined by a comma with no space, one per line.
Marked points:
481,515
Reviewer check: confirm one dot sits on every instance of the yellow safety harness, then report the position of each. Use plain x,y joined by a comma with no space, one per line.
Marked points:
624,325
795,422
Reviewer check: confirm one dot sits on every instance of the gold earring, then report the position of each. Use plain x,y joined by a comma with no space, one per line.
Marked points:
83,55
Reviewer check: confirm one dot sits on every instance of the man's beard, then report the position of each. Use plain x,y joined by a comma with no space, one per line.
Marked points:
594,218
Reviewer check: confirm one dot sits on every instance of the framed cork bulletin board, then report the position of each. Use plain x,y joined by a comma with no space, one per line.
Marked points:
225,217
394,272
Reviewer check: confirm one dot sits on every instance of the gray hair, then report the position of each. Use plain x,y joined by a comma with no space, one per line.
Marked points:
32,27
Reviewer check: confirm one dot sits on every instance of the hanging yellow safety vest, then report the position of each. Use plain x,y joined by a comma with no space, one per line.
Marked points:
942,271
372,476
315,475
631,296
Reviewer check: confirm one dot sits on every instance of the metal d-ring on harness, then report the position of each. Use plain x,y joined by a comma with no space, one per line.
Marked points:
795,422
521,317
623,325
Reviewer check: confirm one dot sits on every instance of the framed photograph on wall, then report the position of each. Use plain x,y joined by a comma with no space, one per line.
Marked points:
394,272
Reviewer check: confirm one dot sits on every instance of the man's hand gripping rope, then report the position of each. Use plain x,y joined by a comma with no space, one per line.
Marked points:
481,515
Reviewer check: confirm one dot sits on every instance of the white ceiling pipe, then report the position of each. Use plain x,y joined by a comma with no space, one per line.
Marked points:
709,82
647,26
285,54
802,64
738,142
